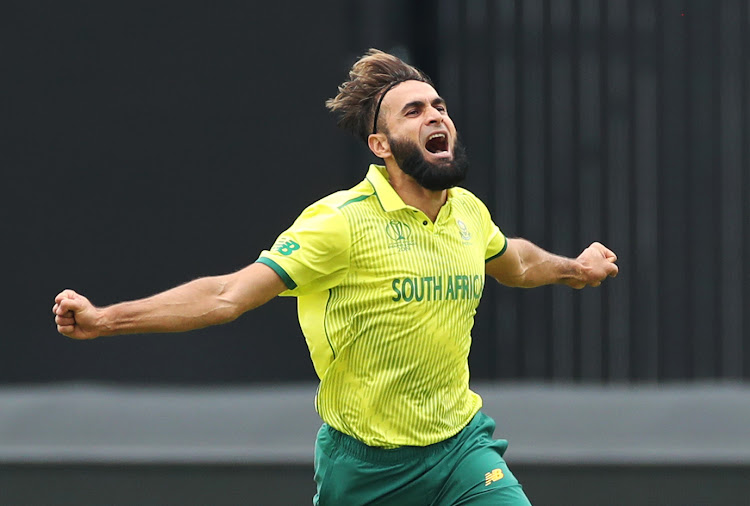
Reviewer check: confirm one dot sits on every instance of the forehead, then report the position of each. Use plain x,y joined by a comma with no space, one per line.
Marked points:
407,92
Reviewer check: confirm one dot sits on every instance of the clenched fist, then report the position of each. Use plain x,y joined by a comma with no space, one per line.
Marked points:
598,263
75,316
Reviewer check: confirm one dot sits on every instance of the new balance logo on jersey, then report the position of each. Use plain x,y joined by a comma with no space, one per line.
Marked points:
493,476
285,247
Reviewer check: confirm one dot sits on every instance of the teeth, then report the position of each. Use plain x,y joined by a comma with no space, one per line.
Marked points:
435,136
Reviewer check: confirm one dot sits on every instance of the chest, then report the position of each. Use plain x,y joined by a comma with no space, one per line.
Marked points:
405,245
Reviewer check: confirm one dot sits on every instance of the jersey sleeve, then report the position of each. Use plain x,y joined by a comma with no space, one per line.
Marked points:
497,243
313,254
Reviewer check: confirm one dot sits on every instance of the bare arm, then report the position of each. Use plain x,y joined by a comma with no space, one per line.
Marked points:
194,305
526,265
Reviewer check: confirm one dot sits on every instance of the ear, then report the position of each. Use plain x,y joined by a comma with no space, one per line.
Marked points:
378,144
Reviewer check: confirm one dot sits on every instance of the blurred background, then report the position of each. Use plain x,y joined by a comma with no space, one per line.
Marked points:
145,144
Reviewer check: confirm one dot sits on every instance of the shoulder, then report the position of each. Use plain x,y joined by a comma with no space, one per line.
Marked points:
342,198
463,194
463,197
332,208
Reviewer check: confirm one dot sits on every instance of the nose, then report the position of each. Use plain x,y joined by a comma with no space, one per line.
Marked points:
433,116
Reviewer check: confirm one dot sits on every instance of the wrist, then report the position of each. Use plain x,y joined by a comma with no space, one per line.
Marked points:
573,273
104,322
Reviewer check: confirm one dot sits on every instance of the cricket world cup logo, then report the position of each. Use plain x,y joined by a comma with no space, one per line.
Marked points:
400,233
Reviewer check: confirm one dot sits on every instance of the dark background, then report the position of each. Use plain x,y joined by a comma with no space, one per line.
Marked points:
144,144
147,144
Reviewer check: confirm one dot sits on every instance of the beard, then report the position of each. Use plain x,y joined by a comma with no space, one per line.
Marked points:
432,176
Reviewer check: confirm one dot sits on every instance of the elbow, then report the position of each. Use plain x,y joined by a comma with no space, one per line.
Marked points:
520,282
228,312
517,279
227,304
233,303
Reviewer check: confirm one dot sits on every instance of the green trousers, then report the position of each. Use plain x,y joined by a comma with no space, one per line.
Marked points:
467,469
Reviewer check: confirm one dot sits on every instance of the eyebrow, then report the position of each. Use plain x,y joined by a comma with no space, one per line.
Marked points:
421,103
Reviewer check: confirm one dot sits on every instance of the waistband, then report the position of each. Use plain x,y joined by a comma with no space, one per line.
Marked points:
359,450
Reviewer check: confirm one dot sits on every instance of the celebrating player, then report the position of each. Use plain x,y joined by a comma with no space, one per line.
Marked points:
388,275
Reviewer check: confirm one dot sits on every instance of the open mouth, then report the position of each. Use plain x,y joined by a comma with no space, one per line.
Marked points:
437,143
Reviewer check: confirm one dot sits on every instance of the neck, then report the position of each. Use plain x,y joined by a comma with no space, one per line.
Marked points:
414,194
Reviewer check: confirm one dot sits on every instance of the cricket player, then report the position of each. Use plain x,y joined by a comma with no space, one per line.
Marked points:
388,276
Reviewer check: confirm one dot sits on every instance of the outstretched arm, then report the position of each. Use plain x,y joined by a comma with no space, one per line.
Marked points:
526,265
194,305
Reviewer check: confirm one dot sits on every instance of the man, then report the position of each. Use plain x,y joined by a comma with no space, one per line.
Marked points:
388,276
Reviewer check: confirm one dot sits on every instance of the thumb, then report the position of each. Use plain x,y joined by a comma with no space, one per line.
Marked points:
605,251
611,269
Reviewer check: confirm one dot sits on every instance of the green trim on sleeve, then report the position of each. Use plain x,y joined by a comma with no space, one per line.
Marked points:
500,253
289,282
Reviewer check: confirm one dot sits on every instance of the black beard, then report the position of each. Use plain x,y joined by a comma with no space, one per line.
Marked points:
432,176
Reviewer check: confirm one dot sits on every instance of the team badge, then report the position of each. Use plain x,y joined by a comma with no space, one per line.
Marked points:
463,230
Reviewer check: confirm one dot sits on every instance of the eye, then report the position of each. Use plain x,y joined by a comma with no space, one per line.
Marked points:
412,112
441,108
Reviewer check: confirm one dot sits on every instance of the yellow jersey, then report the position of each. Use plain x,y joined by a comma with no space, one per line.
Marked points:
386,301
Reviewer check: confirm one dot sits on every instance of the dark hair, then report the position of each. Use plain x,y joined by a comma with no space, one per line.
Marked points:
370,78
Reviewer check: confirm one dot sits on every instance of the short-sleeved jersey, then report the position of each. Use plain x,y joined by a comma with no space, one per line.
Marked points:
386,301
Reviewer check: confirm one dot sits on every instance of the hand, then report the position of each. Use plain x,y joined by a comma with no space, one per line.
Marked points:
75,316
597,263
